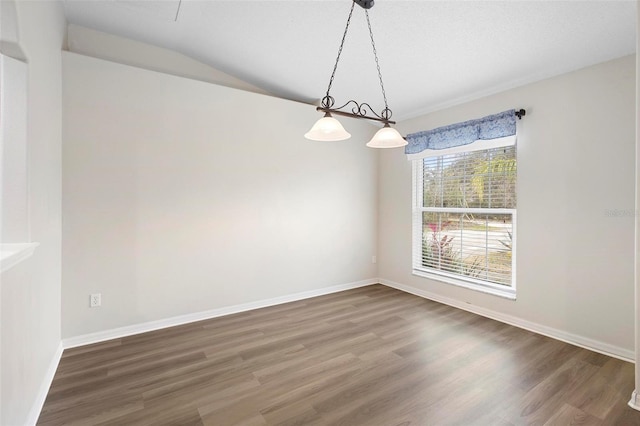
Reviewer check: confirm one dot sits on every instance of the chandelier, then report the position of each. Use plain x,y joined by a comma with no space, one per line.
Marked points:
330,129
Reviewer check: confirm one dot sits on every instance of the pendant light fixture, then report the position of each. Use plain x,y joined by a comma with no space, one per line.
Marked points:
330,129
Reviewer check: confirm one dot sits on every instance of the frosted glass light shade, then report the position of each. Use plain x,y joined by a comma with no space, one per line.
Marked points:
387,137
327,129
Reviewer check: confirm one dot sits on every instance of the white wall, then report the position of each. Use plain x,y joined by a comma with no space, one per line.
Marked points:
101,45
30,302
14,203
181,196
575,162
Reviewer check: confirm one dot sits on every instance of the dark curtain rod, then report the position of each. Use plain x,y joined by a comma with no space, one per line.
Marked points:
520,113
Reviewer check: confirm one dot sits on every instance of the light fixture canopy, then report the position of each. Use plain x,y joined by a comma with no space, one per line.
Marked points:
330,129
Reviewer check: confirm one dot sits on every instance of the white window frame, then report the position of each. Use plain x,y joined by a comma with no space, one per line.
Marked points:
417,227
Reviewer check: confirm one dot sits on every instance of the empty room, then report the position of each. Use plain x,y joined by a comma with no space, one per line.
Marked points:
326,212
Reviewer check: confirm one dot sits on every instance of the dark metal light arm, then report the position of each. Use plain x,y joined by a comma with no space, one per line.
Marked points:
354,115
358,110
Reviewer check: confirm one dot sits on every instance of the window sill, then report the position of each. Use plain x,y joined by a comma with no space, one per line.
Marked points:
12,254
509,293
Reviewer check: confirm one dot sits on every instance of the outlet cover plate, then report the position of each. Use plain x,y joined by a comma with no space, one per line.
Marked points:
95,300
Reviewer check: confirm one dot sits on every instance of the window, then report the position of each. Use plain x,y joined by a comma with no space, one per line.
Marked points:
464,216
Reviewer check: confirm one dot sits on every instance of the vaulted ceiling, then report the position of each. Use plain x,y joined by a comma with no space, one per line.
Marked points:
432,53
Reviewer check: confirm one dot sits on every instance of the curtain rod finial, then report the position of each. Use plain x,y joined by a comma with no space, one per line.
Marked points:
520,113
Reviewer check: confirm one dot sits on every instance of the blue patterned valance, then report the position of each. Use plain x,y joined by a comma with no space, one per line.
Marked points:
490,127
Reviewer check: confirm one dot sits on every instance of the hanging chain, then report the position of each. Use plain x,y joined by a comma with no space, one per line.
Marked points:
386,113
328,101
335,67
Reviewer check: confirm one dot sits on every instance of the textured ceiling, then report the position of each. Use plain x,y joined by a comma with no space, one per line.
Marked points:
432,53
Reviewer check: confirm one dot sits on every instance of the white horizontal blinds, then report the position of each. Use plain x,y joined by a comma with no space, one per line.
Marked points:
467,203
478,179
476,246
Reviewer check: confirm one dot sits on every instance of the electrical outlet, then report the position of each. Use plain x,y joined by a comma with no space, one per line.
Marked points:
374,259
95,300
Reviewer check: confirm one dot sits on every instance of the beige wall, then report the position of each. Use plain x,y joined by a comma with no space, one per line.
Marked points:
30,301
575,161
181,196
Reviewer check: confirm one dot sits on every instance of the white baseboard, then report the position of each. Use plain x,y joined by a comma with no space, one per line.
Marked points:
36,408
574,339
130,330
634,402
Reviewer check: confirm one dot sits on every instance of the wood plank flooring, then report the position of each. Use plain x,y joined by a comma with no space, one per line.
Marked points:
370,356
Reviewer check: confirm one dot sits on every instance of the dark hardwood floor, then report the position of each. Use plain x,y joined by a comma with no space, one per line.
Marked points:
370,356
